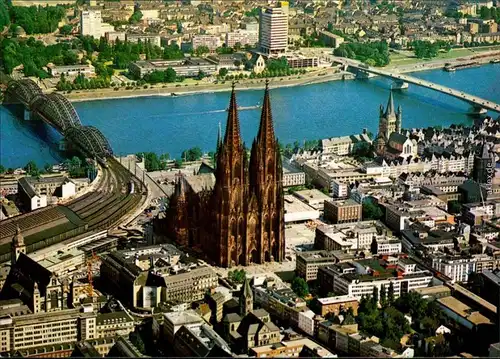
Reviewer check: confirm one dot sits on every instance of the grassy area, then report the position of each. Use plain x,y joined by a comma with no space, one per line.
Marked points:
486,48
401,59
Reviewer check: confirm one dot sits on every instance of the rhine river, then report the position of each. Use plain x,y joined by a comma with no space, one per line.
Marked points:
172,124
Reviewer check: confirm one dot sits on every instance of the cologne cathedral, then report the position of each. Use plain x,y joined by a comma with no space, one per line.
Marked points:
239,219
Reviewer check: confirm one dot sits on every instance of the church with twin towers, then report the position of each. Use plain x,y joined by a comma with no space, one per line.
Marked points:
234,214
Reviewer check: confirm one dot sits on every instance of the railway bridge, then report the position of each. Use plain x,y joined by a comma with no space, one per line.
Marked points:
116,195
401,81
55,110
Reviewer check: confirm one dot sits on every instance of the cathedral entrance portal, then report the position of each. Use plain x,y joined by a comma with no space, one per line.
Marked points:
241,260
254,256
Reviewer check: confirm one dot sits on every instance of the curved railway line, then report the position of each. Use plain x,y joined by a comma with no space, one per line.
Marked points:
115,196
101,209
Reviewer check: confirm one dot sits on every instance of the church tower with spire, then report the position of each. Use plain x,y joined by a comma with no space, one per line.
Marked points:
17,246
240,220
230,193
389,122
266,186
246,298
179,203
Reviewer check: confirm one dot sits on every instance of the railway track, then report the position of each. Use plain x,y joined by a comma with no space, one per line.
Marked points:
102,209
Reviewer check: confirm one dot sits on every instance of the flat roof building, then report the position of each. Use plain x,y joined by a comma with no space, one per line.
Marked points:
188,67
312,197
309,262
342,211
273,31
298,211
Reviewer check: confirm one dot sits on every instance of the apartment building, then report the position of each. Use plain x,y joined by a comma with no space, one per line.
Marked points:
242,37
212,42
309,262
290,349
114,324
90,23
282,302
292,176
189,286
46,328
340,189
335,305
153,39
358,278
456,267
172,322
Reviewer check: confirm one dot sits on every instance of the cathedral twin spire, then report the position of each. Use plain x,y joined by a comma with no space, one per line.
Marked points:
232,138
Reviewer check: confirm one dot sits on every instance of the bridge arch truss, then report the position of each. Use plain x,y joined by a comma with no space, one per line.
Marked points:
91,140
24,90
56,109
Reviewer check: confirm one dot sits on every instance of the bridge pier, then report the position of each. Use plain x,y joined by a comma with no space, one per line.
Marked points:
399,85
362,74
63,145
477,110
28,115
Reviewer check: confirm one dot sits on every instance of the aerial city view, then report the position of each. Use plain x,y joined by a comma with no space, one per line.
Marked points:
250,178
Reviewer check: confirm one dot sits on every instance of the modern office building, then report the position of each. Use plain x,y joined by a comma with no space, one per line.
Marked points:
273,31
343,211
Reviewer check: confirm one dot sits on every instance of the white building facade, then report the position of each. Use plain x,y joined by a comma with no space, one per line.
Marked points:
273,31
90,23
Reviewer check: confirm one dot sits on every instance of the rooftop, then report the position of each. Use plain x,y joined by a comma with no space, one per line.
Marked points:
463,310
295,205
338,299
182,318
345,203
312,195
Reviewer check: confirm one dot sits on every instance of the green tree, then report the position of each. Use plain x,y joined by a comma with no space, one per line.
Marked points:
485,13
66,30
371,211
374,246
375,297
2,169
383,296
300,287
201,50
47,168
32,169
136,17
37,20
192,154
223,72
390,293
237,275
172,52
201,75
376,53
4,14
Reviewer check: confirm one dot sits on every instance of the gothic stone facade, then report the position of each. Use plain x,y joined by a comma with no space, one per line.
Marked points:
241,219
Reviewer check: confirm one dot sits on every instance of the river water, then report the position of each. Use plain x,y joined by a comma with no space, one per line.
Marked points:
172,124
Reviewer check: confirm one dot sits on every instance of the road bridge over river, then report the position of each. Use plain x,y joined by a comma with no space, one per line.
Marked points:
479,105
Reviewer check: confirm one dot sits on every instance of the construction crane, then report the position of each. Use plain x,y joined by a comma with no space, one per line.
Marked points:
90,262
